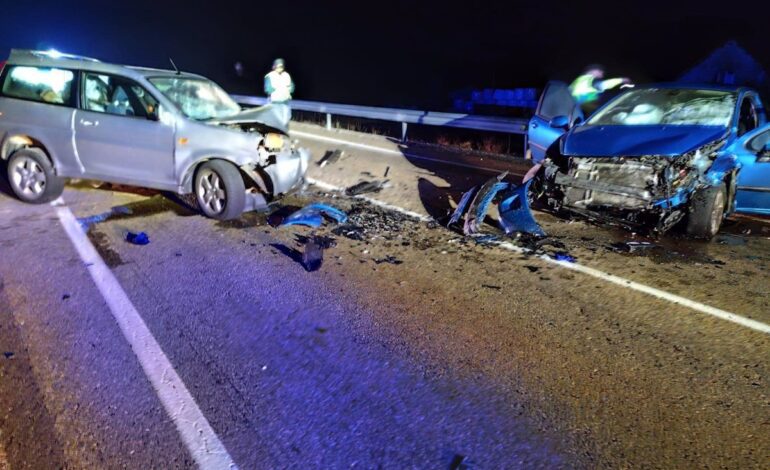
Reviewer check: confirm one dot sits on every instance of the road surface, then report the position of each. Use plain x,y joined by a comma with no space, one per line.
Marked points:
411,347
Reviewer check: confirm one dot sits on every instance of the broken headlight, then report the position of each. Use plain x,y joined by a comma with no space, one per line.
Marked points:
694,163
273,141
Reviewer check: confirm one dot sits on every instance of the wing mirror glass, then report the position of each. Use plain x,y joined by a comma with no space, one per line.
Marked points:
764,155
559,122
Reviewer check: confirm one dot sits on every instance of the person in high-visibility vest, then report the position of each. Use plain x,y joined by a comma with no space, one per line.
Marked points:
588,87
279,87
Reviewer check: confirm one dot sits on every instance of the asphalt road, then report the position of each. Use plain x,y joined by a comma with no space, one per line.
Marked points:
411,347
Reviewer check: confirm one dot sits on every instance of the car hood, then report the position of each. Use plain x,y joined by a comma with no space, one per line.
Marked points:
637,141
267,118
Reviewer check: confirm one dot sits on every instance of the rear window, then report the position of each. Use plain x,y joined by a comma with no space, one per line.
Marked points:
43,84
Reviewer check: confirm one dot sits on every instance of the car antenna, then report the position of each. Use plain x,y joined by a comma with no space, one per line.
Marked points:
174,65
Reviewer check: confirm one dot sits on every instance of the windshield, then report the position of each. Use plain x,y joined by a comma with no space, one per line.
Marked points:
664,106
197,98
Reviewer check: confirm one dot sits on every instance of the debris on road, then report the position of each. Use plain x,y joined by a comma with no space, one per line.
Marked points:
330,157
87,222
731,240
313,256
390,259
8,354
366,187
140,238
65,297
312,216
489,286
631,247
562,256
515,215
387,170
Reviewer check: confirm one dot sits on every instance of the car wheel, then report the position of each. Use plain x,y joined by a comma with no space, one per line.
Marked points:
32,177
219,190
707,211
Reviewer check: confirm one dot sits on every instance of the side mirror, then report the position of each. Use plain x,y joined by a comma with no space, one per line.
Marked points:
764,155
153,113
559,122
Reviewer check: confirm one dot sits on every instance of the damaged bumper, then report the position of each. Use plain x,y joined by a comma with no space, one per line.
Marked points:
637,191
286,170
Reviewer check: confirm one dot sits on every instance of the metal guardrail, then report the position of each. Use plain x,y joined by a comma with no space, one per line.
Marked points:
404,116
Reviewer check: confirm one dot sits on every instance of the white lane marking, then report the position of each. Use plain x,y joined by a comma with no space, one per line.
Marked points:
374,148
196,432
384,205
611,278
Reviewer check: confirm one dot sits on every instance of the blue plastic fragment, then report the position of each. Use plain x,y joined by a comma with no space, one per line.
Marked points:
87,222
561,256
515,213
462,205
481,201
312,216
140,238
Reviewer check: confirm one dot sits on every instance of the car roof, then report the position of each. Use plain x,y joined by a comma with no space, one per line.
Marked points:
70,61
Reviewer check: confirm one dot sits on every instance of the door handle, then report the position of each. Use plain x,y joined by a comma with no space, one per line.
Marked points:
89,123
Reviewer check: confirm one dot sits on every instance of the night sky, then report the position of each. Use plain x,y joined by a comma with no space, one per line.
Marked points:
397,53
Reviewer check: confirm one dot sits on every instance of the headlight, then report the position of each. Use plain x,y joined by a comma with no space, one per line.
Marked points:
274,141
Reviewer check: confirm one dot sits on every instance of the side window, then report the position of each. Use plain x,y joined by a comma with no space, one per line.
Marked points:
748,119
759,144
43,84
116,95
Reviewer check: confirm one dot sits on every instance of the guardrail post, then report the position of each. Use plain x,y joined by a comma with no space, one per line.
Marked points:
328,121
403,132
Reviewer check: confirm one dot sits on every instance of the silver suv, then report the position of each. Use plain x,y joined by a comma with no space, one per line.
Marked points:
64,116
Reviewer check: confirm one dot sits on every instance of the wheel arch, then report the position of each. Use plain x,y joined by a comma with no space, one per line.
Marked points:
252,177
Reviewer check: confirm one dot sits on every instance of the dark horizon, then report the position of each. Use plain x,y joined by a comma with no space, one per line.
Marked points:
402,55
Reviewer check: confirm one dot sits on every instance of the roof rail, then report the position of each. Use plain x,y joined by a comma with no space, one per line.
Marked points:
49,54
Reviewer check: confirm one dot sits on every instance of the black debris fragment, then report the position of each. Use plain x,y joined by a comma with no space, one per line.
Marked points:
8,354
459,462
489,286
331,156
65,296
313,256
365,187
390,259
533,269
387,170
631,247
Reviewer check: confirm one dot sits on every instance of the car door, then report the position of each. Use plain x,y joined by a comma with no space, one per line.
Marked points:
556,100
753,185
118,136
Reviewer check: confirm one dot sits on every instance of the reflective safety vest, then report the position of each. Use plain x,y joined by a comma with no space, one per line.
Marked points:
279,86
586,88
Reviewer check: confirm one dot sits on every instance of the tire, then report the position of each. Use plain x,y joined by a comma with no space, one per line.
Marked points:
32,177
707,211
219,190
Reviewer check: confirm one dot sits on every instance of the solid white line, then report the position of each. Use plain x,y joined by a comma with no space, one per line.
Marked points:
198,436
384,205
611,278
374,148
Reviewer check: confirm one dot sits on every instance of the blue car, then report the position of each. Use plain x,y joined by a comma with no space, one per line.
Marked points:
654,156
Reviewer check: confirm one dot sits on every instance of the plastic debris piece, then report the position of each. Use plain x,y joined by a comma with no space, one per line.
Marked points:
485,239
516,215
87,222
462,205
490,286
631,247
390,259
65,296
312,216
387,170
478,208
140,238
8,354
365,187
562,256
331,156
313,256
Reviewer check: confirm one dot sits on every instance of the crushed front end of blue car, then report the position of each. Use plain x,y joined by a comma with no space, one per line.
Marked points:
637,192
